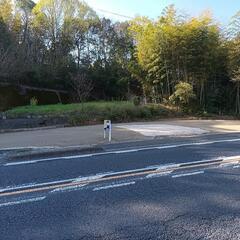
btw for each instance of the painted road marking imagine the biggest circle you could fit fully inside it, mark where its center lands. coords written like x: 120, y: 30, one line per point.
x: 83, y: 178
x: 89, y: 178
x: 30, y: 200
x: 54, y: 159
x: 153, y: 175
x: 16, y: 187
x: 68, y: 188
x: 238, y: 166
x: 124, y: 174
x: 113, y: 186
x: 229, y: 164
x: 121, y: 152
x: 153, y: 168
x: 187, y: 174
x: 34, y: 185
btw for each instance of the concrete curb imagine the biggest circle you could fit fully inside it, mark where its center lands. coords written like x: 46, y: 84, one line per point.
x: 31, y: 129
x: 36, y: 153
x: 32, y: 153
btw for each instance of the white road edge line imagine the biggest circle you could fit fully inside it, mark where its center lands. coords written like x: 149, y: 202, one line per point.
x: 121, y: 152
x: 22, y: 201
x: 187, y: 174
x: 113, y: 186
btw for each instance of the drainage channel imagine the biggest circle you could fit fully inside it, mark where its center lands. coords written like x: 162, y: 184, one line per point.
x: 161, y: 169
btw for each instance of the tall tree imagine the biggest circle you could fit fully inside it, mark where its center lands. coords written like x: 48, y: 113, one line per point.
x: 175, y: 48
x: 234, y: 56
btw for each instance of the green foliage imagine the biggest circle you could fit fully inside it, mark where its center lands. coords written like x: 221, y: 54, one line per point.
x: 234, y: 58
x: 94, y: 112
x: 33, y: 101
x: 136, y: 100
x: 176, y: 48
x: 53, y: 39
x: 44, y: 43
x: 183, y: 95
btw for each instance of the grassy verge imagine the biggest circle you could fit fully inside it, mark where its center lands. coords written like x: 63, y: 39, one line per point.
x: 94, y: 112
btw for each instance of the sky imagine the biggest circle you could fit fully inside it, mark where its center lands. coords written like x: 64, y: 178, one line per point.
x: 222, y: 10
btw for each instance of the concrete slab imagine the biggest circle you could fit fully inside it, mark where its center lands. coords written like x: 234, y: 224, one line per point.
x: 154, y: 130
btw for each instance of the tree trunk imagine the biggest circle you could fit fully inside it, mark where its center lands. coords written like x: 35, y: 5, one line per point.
x: 201, y: 100
x: 238, y: 99
x: 168, y: 82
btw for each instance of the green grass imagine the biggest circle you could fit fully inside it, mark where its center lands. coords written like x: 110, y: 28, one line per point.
x: 56, y: 109
x: 94, y: 112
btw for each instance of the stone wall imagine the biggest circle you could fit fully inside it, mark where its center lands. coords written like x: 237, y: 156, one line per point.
x: 26, y: 123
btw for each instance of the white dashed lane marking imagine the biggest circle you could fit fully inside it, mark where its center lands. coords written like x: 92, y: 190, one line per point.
x: 113, y: 186
x: 187, y: 174
x: 30, y: 200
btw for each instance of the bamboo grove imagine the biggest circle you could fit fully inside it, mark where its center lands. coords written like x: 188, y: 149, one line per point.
x: 193, y: 62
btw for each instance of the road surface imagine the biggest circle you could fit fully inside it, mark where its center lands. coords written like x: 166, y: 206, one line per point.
x: 185, y: 188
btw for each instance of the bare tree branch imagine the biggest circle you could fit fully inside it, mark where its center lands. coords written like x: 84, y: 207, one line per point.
x: 82, y: 86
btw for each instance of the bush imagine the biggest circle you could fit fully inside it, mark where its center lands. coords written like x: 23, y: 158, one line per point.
x: 136, y: 100
x: 183, y: 95
x: 33, y: 101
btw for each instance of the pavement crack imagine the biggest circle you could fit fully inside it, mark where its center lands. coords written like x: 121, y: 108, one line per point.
x: 174, y: 219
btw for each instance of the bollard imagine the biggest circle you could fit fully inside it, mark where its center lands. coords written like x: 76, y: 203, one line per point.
x: 107, y: 128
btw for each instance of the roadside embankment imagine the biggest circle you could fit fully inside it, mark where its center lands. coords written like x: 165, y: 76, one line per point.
x: 89, y: 113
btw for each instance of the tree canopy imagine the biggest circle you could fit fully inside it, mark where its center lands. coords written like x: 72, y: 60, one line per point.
x: 48, y: 43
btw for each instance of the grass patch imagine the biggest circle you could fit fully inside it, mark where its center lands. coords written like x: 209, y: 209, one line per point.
x: 94, y: 112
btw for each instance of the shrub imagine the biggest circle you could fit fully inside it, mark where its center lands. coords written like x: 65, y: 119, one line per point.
x: 33, y: 101
x: 136, y: 100
x: 183, y: 95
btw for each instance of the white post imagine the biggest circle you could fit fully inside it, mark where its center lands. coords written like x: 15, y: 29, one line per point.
x: 107, y: 128
x: 110, y: 133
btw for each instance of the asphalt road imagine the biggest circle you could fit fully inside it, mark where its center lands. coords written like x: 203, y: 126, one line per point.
x: 131, y: 191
